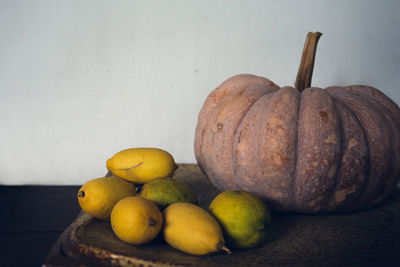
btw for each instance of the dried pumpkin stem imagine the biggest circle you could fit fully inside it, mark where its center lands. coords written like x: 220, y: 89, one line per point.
x: 304, y: 75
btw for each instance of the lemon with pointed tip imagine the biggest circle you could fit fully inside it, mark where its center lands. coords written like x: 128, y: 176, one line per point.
x: 244, y: 218
x: 192, y: 229
x: 98, y: 196
x: 141, y: 165
x: 136, y: 220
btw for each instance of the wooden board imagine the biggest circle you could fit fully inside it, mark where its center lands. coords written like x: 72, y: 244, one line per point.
x: 364, y: 238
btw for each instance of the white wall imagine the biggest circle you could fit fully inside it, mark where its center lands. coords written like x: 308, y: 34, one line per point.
x: 81, y: 80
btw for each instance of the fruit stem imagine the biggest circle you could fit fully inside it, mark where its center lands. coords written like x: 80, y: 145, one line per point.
x: 227, y: 250
x: 304, y: 74
x: 222, y: 247
x: 81, y: 194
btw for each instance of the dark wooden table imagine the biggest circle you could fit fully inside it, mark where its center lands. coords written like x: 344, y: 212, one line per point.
x: 31, y: 220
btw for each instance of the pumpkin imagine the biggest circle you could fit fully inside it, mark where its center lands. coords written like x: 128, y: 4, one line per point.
x: 302, y: 149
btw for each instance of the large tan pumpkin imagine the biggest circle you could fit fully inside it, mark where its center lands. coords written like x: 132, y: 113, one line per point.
x: 301, y: 150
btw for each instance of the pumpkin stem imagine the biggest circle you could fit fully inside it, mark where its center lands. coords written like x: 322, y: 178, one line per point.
x: 305, y: 72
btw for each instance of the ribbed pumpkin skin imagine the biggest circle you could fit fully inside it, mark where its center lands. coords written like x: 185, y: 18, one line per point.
x: 321, y: 150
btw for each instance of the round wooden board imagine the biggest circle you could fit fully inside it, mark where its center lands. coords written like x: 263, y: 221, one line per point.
x: 366, y: 238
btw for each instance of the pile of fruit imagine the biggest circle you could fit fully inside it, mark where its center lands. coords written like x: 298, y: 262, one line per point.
x: 142, y: 199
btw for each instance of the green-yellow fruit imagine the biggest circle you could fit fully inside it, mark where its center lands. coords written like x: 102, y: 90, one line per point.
x: 244, y: 218
x: 97, y: 197
x: 191, y: 229
x: 140, y: 165
x: 165, y: 191
x: 136, y: 220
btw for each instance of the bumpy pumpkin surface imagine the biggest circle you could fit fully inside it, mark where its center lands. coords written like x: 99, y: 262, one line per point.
x: 319, y: 150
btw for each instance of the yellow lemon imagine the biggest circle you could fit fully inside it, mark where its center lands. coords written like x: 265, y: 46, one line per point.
x: 191, y: 229
x: 244, y: 218
x: 165, y: 191
x: 140, y: 165
x: 97, y: 197
x: 136, y: 220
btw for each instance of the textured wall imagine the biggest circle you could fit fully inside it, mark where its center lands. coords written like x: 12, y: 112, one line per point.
x: 81, y: 80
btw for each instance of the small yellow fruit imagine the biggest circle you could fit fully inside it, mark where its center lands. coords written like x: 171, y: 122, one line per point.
x: 136, y: 220
x: 140, y: 165
x: 165, y: 191
x: 191, y: 229
x: 97, y: 197
x: 244, y: 218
